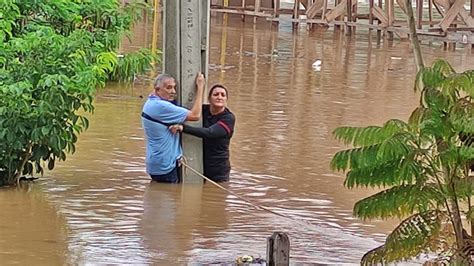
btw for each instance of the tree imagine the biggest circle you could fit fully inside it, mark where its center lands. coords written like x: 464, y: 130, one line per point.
x: 53, y: 57
x: 422, y: 167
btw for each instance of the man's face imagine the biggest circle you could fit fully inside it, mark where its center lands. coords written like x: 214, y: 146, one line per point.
x: 168, y: 90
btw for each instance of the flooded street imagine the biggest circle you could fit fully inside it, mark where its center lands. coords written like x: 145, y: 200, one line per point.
x: 99, y: 206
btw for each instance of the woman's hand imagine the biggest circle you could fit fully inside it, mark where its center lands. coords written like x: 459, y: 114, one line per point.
x: 200, y: 80
x: 176, y: 128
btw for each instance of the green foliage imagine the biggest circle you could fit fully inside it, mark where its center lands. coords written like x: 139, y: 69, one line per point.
x: 420, y: 164
x: 414, y: 235
x: 53, y: 57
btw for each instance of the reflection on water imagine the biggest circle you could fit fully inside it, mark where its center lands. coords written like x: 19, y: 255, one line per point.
x: 32, y: 231
x: 286, y: 111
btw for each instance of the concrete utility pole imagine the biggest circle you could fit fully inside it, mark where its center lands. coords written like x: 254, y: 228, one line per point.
x: 186, y: 42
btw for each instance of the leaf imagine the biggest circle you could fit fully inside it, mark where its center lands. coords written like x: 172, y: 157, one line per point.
x: 399, y: 201
x: 369, y: 135
x: 51, y: 164
x: 399, y: 171
x: 412, y: 237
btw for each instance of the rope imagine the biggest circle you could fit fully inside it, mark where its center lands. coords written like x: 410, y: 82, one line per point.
x: 243, y: 198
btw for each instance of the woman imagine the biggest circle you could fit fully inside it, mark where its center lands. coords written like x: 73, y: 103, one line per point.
x: 218, y: 127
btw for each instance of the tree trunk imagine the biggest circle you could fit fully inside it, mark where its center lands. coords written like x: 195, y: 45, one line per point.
x: 456, y: 219
x: 414, y: 36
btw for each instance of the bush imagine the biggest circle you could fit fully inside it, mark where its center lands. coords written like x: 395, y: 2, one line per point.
x: 53, y: 57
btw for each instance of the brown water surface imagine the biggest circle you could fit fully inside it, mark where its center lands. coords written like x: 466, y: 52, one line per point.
x: 99, y: 206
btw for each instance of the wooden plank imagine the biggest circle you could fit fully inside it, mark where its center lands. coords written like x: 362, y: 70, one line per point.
x: 428, y: 34
x: 430, y: 15
x: 380, y: 15
x: 463, y: 14
x: 451, y: 14
x: 402, y: 5
x: 339, y: 10
x: 462, y: 29
x: 257, y: 9
x: 371, y: 16
x: 296, y: 9
x: 391, y: 12
x: 349, y: 10
x: 276, y: 8
x: 468, y: 20
x: 325, y: 8
x: 443, y: 3
x: 243, y: 12
x: 472, y: 12
x: 314, y: 8
x: 419, y: 13
x: 349, y: 16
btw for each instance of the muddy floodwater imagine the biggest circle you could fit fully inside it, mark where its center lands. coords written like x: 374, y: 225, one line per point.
x: 99, y: 206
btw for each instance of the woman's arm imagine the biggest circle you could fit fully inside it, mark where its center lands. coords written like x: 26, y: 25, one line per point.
x: 212, y: 132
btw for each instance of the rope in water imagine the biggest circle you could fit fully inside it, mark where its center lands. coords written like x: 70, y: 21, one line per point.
x: 183, y: 162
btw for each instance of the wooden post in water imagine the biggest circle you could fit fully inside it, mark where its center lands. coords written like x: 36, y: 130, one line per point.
x: 472, y: 15
x: 419, y: 13
x: 430, y: 12
x: 276, y: 9
x: 185, y: 38
x: 390, y: 9
x: 278, y: 249
x: 349, y: 16
x: 296, y: 13
x: 256, y: 10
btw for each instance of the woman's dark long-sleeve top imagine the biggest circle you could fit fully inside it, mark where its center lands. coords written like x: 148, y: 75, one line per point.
x: 216, y: 133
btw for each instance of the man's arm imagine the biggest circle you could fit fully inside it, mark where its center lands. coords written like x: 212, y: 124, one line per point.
x: 195, y: 113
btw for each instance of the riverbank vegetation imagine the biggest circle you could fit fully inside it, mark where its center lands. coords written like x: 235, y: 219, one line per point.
x: 423, y: 168
x: 53, y: 57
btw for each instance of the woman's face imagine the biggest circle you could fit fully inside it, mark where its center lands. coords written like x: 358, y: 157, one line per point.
x: 218, y: 97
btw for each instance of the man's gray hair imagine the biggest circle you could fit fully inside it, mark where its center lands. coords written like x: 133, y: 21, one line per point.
x: 160, y: 79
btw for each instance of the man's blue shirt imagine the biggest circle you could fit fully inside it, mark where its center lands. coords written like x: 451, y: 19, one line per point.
x: 163, y: 147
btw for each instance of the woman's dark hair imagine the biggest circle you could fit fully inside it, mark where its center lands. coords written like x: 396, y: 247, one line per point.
x: 211, y: 90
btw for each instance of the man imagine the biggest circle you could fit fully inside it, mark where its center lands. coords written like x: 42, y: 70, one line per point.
x: 163, y: 148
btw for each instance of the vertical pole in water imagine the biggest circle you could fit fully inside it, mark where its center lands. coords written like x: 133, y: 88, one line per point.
x: 278, y: 249
x: 185, y: 30
x: 430, y: 12
x: 349, y: 17
x: 472, y: 15
x: 243, y: 10
x: 390, y: 5
x: 296, y: 13
x: 155, y: 27
x: 419, y: 13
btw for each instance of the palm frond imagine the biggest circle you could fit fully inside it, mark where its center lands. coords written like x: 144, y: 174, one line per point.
x: 374, y: 257
x: 417, y: 116
x: 461, y: 116
x: 398, y: 201
x: 417, y: 234
x: 394, y: 148
x: 354, y: 158
x: 443, y: 67
x: 414, y: 235
x: 365, y: 136
x: 457, y: 82
x: 397, y: 146
x: 403, y: 170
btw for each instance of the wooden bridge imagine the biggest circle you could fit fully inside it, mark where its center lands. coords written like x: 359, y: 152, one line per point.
x: 451, y: 21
